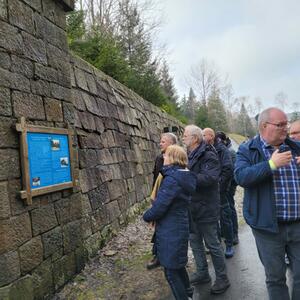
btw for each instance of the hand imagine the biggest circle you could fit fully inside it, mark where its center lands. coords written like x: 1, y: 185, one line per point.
x: 282, y: 159
x: 298, y: 159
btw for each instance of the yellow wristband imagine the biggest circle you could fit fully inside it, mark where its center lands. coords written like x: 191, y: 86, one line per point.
x: 272, y: 165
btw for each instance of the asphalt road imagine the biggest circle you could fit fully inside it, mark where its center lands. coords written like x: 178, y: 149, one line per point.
x: 245, y: 272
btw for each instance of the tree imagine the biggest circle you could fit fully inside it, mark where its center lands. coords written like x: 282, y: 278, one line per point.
x: 204, y: 77
x: 166, y: 83
x: 216, y: 111
x: 281, y: 99
x: 296, y: 113
x: 243, y: 123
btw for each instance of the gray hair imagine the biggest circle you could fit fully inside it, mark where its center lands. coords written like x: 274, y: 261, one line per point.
x: 264, y: 116
x: 195, y: 131
x: 171, y: 136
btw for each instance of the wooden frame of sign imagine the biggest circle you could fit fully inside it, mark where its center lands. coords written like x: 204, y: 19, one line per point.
x: 28, y: 192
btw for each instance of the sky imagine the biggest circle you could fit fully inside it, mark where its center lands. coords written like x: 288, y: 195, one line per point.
x: 256, y: 43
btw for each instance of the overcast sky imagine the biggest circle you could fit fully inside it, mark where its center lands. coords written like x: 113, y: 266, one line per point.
x: 255, y: 42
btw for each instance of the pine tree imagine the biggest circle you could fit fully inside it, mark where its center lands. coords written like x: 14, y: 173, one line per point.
x: 244, y: 125
x: 216, y: 112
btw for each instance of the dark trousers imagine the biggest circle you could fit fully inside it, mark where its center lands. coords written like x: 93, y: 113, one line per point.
x: 271, y: 250
x: 154, y: 247
x: 225, y: 221
x: 178, y: 280
x: 230, y: 197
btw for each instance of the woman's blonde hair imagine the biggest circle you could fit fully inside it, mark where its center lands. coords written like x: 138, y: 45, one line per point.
x: 177, y: 155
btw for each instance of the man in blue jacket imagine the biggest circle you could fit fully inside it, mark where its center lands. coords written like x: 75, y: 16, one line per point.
x: 268, y: 169
x: 205, y: 210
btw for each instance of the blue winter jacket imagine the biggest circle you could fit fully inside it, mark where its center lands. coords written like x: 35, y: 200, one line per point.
x: 170, y: 212
x: 252, y: 171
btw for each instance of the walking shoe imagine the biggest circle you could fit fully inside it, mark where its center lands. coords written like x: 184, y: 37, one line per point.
x: 235, y: 240
x: 220, y: 286
x: 229, y: 252
x: 196, y: 279
x: 153, y: 263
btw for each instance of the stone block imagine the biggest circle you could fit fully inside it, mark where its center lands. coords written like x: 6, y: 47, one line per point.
x: 14, y: 232
x: 104, y: 173
x: 92, y: 141
x: 81, y: 258
x: 53, y: 110
x: 77, y: 99
x: 43, y: 281
x: 43, y: 219
x: 14, y: 81
x: 10, y: 38
x: 3, y: 9
x: 90, y: 103
x: 93, y: 244
x: 60, y: 92
x: 99, y: 125
x: 22, y: 66
x: 113, y: 211
x: 116, y: 188
x: 31, y: 254
x: 103, y: 110
x: 34, y: 48
x: 4, y: 203
x: 87, y: 121
x: 69, y: 113
x: 40, y: 87
x: 104, y: 157
x: 45, y: 73
x: 9, y: 136
x: 54, y: 13
x: 87, y: 158
x: 107, y: 139
x: 52, y: 241
x: 99, y: 196
x: 21, y: 15
x: 28, y: 105
x: 22, y: 288
x: 4, y: 58
x: 72, y: 236
x: 91, y: 84
x: 10, y: 268
x: 81, y: 79
x: 63, y: 270
x: 69, y: 209
x: 86, y: 229
x: 36, y: 4
x: 55, y: 35
x: 9, y: 164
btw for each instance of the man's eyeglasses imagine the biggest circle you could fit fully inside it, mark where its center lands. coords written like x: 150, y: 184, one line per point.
x: 279, y: 125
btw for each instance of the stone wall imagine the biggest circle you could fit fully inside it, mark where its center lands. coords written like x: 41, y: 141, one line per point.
x: 116, y: 139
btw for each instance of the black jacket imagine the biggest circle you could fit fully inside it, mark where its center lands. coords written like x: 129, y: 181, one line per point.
x: 225, y: 158
x: 159, y: 162
x: 205, y: 205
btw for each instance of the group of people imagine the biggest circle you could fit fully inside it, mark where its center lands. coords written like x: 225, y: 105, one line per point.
x: 194, y: 203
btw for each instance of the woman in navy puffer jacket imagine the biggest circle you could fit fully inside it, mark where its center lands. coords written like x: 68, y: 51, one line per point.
x: 170, y: 213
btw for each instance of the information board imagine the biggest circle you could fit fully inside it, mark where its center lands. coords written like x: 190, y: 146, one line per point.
x: 49, y: 159
x: 46, y: 157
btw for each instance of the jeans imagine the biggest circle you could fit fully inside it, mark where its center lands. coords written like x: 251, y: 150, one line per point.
x: 178, y: 280
x: 226, y: 223
x: 230, y: 199
x: 271, y: 250
x: 208, y: 233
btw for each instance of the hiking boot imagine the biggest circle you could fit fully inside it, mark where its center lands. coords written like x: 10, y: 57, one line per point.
x: 220, y: 286
x: 229, y: 252
x: 153, y: 263
x: 235, y: 240
x: 196, y: 279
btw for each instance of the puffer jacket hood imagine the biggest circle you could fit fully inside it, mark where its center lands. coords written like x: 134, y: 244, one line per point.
x: 186, y: 179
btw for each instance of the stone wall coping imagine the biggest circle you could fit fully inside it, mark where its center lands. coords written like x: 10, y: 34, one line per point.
x: 68, y: 5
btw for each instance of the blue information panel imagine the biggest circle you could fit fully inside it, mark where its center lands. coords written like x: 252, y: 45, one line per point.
x: 49, y: 159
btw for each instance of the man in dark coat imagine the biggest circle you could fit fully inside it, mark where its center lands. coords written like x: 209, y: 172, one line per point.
x: 167, y: 139
x: 225, y: 179
x: 205, y: 210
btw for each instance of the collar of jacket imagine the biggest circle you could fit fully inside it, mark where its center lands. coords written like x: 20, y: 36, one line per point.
x: 169, y: 169
x: 256, y: 144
